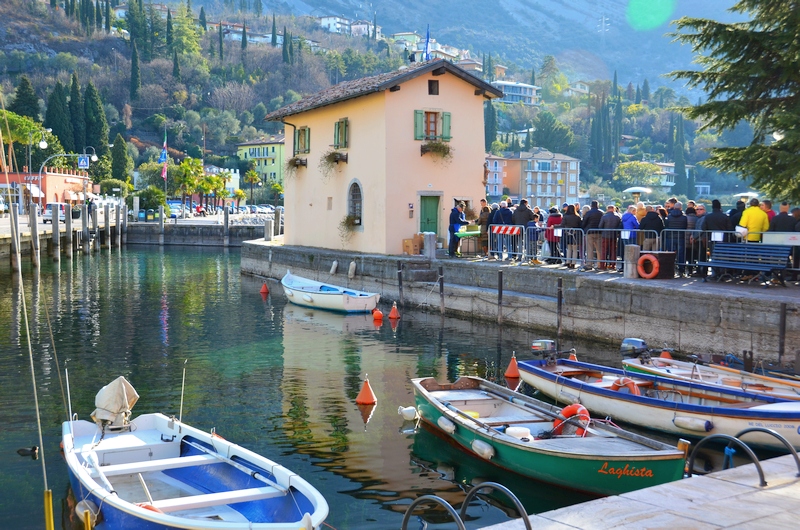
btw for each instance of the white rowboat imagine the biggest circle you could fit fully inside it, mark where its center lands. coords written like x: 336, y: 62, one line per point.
x: 310, y: 293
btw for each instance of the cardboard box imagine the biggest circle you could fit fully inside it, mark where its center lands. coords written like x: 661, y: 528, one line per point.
x: 419, y: 240
x: 409, y: 247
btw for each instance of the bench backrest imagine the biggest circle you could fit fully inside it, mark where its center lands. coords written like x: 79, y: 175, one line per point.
x: 751, y: 252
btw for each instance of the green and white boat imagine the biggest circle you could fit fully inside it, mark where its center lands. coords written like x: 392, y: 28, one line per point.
x: 543, y: 441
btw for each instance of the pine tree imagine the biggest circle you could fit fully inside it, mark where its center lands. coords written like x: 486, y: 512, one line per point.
x: 274, y: 39
x: 671, y: 134
x: 25, y: 103
x: 646, y: 91
x: 121, y: 162
x: 176, y: 67
x: 203, y: 23
x: 189, y: 8
x: 638, y: 98
x: 681, y: 182
x: 76, y: 116
x: 221, y: 44
x: 57, y: 117
x: 629, y: 93
x: 136, y: 76
x: 157, y: 30
x: 244, y: 36
x: 169, y: 30
x: 96, y: 124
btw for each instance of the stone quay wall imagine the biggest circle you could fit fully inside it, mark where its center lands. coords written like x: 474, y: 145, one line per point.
x: 691, y: 316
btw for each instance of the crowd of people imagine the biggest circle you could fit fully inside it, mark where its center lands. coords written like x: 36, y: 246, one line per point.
x: 588, y: 237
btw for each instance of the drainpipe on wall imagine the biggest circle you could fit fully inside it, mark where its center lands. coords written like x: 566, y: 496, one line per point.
x: 294, y: 127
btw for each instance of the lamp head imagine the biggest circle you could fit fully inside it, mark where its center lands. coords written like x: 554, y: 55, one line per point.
x: 94, y: 158
x: 42, y: 144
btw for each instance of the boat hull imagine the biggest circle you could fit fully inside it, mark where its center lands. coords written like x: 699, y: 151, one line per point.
x: 674, y: 417
x: 190, y: 479
x: 597, y: 474
x: 308, y: 293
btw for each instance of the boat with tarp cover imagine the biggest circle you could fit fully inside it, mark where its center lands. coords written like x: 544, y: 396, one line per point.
x: 155, y: 472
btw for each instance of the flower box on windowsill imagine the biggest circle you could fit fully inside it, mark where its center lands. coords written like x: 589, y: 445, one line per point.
x: 339, y: 157
x: 297, y: 162
x: 435, y: 147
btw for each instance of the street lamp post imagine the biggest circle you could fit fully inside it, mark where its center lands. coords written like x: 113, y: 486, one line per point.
x: 42, y: 145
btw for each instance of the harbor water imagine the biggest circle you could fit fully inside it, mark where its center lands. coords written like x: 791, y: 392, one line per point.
x: 277, y: 379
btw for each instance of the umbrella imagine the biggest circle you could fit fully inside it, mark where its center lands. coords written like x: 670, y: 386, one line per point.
x: 749, y: 194
x: 637, y: 189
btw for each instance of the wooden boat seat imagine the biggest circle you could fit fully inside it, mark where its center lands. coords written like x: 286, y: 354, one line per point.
x: 155, y: 465
x: 217, y: 499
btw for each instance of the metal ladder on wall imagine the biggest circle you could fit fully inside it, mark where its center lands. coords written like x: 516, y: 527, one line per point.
x: 458, y: 517
x: 734, y: 440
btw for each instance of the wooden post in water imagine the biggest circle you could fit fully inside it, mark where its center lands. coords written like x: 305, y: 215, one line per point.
x: 96, y: 228
x: 161, y: 226
x: 56, y: 233
x: 14, y: 237
x: 400, y: 281
x: 560, y: 304
x: 68, y: 234
x: 124, y: 224
x: 500, y: 297
x: 268, y: 230
x: 107, y: 226
x: 782, y: 332
x: 226, y: 241
x: 34, y: 222
x: 441, y: 289
x: 118, y: 227
x: 85, y: 227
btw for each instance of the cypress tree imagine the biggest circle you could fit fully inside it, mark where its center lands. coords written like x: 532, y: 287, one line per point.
x: 671, y: 135
x: 108, y: 16
x: 375, y: 26
x: 638, y: 99
x: 89, y: 16
x: 285, y: 50
x: 203, y: 23
x: 98, y: 15
x: 617, y: 126
x: 533, y: 76
x: 291, y: 49
x: 212, y: 50
x: 76, y: 116
x: 258, y: 7
x: 681, y: 182
x: 157, y: 42
x: 244, y: 36
x: 661, y: 101
x: 645, y: 91
x: 96, y: 124
x: 136, y: 76
x: 57, y: 117
x: 25, y: 103
x: 121, y: 162
x: 614, y: 89
x: 274, y: 40
x: 169, y: 30
x: 221, y: 44
x: 176, y: 67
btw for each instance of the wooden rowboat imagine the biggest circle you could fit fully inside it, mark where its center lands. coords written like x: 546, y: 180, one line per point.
x: 715, y: 375
x: 155, y: 472
x: 542, y: 441
x: 310, y: 293
x: 685, y: 408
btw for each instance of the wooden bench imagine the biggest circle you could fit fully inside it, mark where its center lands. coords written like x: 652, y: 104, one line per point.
x: 753, y: 257
x: 155, y: 465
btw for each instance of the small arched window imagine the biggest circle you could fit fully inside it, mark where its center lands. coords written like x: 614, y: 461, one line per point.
x: 354, y: 201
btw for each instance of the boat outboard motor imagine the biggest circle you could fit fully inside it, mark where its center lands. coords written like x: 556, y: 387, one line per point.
x: 543, y: 346
x: 114, y: 403
x: 632, y: 348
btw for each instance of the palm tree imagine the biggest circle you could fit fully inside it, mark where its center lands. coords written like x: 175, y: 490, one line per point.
x: 238, y: 195
x: 191, y: 171
x: 252, y: 177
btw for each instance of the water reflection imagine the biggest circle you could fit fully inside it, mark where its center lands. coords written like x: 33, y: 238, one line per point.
x: 277, y: 379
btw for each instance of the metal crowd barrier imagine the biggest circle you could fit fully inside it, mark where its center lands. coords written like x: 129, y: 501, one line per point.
x: 507, y: 242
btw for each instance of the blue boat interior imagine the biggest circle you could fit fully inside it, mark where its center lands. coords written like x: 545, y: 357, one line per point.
x: 329, y: 289
x: 221, y: 477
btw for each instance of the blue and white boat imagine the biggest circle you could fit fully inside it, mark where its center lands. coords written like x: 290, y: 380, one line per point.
x: 155, y: 472
x: 319, y: 295
x: 683, y: 408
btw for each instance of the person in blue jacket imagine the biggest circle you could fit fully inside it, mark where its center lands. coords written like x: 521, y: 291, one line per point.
x: 456, y: 220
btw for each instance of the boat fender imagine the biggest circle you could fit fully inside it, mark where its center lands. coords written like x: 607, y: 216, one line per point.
x: 446, y: 425
x: 693, y: 424
x: 568, y: 397
x: 519, y: 432
x: 408, y: 413
x: 307, y: 298
x: 86, y: 509
x: 289, y: 293
x: 483, y: 449
x: 334, y: 267
x: 568, y: 412
x: 351, y: 271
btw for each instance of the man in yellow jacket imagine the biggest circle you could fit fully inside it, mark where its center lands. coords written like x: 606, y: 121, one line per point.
x: 755, y: 220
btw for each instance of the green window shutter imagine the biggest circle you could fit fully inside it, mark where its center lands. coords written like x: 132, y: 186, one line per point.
x: 446, y: 126
x: 308, y: 140
x: 346, y: 139
x: 336, y: 140
x: 296, y: 140
x: 419, y: 125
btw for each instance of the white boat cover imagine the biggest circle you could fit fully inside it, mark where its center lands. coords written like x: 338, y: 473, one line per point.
x: 114, y: 402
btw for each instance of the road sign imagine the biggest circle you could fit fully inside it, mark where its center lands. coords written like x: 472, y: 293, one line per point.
x: 83, y: 162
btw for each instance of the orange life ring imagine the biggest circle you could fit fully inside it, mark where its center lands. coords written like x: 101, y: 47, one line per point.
x: 628, y: 383
x: 647, y: 261
x: 148, y: 507
x: 569, y: 411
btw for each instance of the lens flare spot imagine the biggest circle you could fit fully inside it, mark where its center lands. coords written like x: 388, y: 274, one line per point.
x: 644, y: 15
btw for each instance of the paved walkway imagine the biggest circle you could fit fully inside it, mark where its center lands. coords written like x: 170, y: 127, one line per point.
x: 725, y: 499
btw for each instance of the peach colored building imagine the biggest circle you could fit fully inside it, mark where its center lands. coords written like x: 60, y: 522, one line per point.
x: 54, y: 185
x: 384, y: 181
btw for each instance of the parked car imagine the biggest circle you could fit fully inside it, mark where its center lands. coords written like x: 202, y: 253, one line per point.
x: 60, y: 207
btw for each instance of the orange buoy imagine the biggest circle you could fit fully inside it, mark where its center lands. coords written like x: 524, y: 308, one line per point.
x: 512, y: 372
x: 665, y: 354
x: 366, y: 413
x: 377, y: 314
x: 394, y: 313
x: 366, y: 396
x: 264, y: 289
x: 393, y: 322
x: 512, y: 383
x: 572, y: 356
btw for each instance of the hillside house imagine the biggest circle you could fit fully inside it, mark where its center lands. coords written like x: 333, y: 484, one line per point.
x: 266, y: 155
x: 367, y: 154
x: 364, y: 28
x: 666, y: 175
x: 578, y: 88
x: 335, y: 24
x: 518, y: 92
